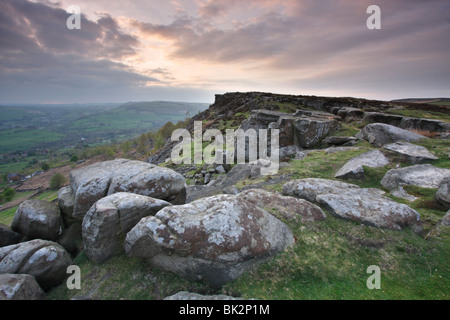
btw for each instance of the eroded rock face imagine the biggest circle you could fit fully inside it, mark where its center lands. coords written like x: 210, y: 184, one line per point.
x: 47, y: 261
x: 108, y: 221
x: 20, y: 287
x: 213, y: 239
x: 353, y: 169
x: 37, y: 219
x: 380, y: 134
x: 289, y: 208
x: 350, y: 202
x: 411, y: 152
x: 304, y: 131
x: 92, y: 183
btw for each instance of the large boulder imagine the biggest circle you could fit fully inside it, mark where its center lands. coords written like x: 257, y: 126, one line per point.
x: 9, y: 237
x: 108, y: 221
x: 423, y: 175
x: 443, y: 193
x: 66, y: 202
x: 289, y: 208
x: 308, y: 189
x: 410, y: 152
x: 380, y: 134
x: 350, y: 202
x: 38, y: 219
x: 47, y: 261
x: 90, y: 184
x: 214, y: 239
x: 309, y: 132
x: 354, y: 168
x: 20, y: 287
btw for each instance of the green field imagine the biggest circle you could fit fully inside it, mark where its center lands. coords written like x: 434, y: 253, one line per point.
x: 20, y: 139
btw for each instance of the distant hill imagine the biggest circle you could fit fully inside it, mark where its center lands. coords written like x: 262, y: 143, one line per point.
x: 28, y: 127
x: 435, y: 101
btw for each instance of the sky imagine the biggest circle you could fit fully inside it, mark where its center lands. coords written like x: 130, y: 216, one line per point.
x: 190, y: 50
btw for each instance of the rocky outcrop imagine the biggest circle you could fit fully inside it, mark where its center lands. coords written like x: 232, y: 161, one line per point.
x: 443, y: 193
x: 20, y: 287
x: 108, y: 221
x: 45, y: 260
x: 38, y: 219
x: 295, y: 129
x: 423, y: 175
x: 354, y: 168
x: 409, y: 152
x: 214, y: 239
x: 97, y: 181
x: 380, y: 134
x: 349, y: 202
x: 283, y: 207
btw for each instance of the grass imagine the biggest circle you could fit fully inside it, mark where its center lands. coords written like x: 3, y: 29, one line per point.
x: 127, y: 278
x: 7, y: 216
x: 330, y: 261
x: 20, y: 139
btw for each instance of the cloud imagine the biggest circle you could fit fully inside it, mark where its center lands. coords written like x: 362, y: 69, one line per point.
x: 37, y: 49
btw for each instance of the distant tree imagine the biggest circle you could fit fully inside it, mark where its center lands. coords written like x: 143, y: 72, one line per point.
x: 125, y: 146
x: 74, y: 158
x: 9, y: 193
x: 109, y: 153
x: 45, y: 166
x: 57, y: 181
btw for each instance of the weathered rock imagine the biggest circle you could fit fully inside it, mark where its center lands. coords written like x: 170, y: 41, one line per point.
x: 380, y: 134
x: 108, y: 221
x: 45, y: 260
x: 92, y: 183
x: 338, y: 140
x: 370, y: 207
x: 423, y: 175
x: 446, y: 220
x: 354, y: 169
x: 309, y: 189
x: 20, y: 287
x: 410, y: 152
x: 347, y: 201
x: 288, y: 152
x: 213, y: 239
x: 443, y: 193
x: 9, y: 237
x: 309, y: 132
x: 295, y: 129
x: 71, y: 239
x: 37, y: 219
x: 66, y: 202
x: 289, y: 208
x: 184, y: 295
